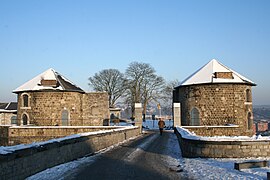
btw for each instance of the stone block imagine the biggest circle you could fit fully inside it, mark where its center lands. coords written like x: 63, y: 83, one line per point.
x: 246, y: 150
x: 250, y: 164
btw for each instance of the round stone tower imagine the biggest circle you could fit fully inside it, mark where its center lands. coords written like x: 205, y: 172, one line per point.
x: 216, y: 96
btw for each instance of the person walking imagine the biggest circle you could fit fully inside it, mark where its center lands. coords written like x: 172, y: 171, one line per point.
x: 161, y: 125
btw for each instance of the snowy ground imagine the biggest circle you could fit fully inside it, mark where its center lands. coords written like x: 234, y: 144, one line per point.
x: 220, y: 169
x: 149, y: 124
x: 193, y: 168
x: 59, y: 172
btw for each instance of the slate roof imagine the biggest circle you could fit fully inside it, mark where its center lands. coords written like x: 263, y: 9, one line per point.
x: 12, y: 106
x: 3, y: 105
x: 205, y: 75
x: 63, y: 84
x: 8, y: 107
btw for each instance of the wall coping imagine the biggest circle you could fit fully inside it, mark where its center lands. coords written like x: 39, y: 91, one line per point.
x: 63, y: 127
x: 19, y: 162
x: 187, y: 135
x: 194, y: 147
x: 229, y: 126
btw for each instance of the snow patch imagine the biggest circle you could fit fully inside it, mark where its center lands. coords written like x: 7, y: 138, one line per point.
x: 141, y: 147
x: 205, y: 75
x: 185, y: 133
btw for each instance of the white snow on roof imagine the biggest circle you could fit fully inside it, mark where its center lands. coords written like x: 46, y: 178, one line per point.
x: 206, y: 75
x: 35, y: 83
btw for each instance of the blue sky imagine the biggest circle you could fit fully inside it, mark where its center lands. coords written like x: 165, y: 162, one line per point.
x: 79, y: 38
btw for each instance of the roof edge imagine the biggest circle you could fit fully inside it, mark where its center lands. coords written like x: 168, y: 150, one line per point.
x: 247, y: 83
x: 49, y: 90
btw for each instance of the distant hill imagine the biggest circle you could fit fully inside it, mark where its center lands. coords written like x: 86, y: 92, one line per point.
x: 261, y: 112
x: 261, y: 106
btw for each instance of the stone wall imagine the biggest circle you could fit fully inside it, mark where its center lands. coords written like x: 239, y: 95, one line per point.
x: 95, y: 108
x: 5, y: 118
x: 192, y: 148
x: 46, y: 108
x: 217, y: 130
x: 218, y: 105
x: 13, y: 135
x: 4, y: 135
x: 23, y: 162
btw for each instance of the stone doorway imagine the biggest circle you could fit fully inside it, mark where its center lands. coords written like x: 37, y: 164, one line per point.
x: 24, y: 119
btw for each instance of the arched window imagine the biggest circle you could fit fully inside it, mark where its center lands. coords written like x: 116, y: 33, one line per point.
x: 25, y: 100
x: 13, y: 120
x: 195, y: 117
x: 24, y: 119
x: 250, y: 121
x: 248, y: 95
x: 65, y: 117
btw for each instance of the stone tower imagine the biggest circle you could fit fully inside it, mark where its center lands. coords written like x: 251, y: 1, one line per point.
x: 215, y: 95
x: 50, y: 99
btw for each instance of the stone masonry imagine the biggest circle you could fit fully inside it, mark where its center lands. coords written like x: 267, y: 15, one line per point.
x: 22, y: 162
x: 216, y: 96
x: 14, y: 135
x: 218, y: 105
x: 193, y: 148
x: 5, y: 118
x: 46, y: 107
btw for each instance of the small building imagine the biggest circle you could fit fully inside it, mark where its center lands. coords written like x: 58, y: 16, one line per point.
x: 215, y: 95
x: 8, y: 113
x: 115, y: 113
x: 50, y: 99
x: 261, y: 126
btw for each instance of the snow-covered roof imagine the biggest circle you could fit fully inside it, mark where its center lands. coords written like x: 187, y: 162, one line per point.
x: 58, y: 82
x: 206, y: 75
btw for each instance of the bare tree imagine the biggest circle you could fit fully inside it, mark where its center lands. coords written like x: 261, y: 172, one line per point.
x: 111, y: 81
x: 167, y: 95
x: 152, y: 90
x: 143, y: 85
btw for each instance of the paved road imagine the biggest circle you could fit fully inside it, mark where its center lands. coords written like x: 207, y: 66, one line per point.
x: 143, y: 158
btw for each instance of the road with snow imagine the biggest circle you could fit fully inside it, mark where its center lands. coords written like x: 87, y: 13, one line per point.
x: 149, y: 156
x: 143, y: 158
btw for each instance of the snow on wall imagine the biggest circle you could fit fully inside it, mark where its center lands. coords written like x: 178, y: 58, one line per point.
x: 14, y: 160
x: 11, y: 149
x: 194, y: 146
x: 191, y: 135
